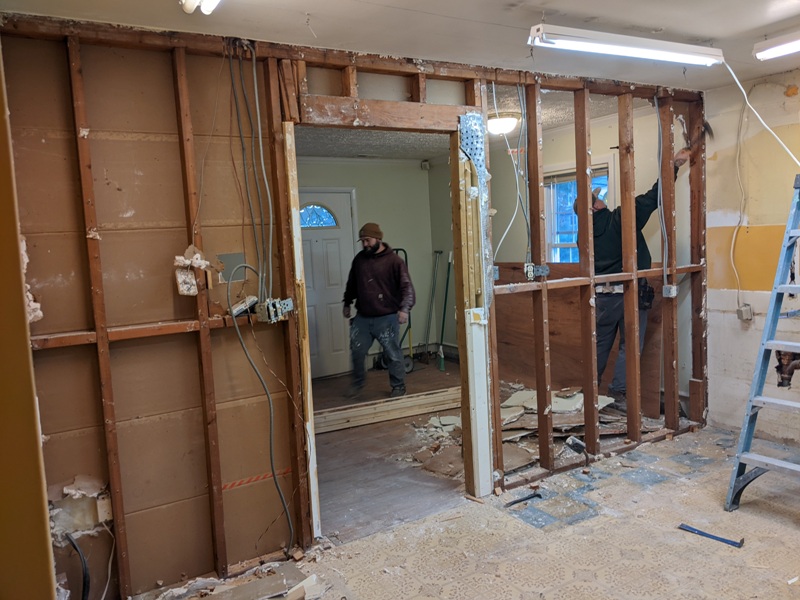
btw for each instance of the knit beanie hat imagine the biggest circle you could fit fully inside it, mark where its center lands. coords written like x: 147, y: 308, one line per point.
x: 372, y: 230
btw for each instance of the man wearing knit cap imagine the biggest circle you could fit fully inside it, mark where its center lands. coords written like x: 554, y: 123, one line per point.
x: 384, y: 295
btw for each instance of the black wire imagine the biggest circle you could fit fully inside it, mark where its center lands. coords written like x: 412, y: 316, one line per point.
x: 84, y: 568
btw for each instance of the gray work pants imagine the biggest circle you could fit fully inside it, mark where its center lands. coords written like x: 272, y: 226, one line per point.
x: 385, y: 329
x: 610, y: 319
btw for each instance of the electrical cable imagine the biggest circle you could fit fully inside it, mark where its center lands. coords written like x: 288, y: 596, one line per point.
x: 261, y: 295
x: 110, y: 560
x: 259, y: 269
x: 518, y: 200
x: 84, y: 567
x: 267, y: 249
x: 664, y: 245
x: 271, y: 411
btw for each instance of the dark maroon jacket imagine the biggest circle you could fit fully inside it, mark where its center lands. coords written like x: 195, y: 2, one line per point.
x: 380, y: 284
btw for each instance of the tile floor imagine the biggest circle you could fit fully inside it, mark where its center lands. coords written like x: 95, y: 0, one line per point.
x: 609, y: 533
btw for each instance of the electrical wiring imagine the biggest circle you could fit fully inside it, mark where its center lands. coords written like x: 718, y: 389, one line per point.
x: 742, y: 192
x: 271, y: 412
x: 262, y: 258
x: 110, y: 560
x: 84, y: 567
x: 268, y: 248
x: 664, y: 245
x: 519, y: 201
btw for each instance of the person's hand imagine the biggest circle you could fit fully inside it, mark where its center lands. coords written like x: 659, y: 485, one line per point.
x: 402, y: 317
x: 346, y: 312
x: 681, y: 157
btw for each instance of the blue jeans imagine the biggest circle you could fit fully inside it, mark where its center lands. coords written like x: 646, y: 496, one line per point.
x: 610, y: 319
x: 385, y: 329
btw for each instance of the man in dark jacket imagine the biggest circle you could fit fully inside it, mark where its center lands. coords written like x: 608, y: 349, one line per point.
x: 381, y: 287
x: 609, y: 304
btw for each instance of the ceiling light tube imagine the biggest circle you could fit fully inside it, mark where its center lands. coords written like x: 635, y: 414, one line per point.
x: 778, y: 46
x: 567, y: 38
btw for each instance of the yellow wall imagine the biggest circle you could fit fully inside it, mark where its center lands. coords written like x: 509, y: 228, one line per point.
x: 25, y: 553
x: 755, y: 256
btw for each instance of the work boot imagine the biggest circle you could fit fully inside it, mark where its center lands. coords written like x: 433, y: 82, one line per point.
x: 620, y: 400
x: 398, y: 391
x: 354, y: 392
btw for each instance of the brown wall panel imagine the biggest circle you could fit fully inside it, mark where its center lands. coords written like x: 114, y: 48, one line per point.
x: 67, y: 385
x: 59, y: 280
x: 37, y: 79
x: 153, y: 376
x: 244, y: 438
x: 129, y: 90
x: 139, y: 276
x: 170, y: 543
x: 210, y: 86
x: 45, y: 164
x: 222, y: 240
x: 233, y: 377
x: 137, y: 181
x: 162, y: 459
x: 77, y: 452
x: 254, y: 519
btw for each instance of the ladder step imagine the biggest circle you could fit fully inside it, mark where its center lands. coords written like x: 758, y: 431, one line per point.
x: 789, y: 289
x: 777, y: 403
x: 794, y: 234
x: 767, y: 462
x: 783, y: 346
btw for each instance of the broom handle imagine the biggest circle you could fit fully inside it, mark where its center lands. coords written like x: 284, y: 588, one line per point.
x: 444, y: 305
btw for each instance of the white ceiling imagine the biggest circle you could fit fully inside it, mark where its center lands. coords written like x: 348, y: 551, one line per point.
x: 480, y: 32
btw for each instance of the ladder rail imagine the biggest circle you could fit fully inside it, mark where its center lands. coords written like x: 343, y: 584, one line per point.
x: 738, y: 480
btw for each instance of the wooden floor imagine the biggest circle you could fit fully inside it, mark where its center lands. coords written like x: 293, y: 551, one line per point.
x: 367, y: 484
x: 329, y: 392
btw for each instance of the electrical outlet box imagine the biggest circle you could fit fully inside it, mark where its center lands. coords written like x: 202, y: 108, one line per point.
x: 243, y: 306
x: 670, y: 291
x: 532, y: 271
x: 745, y: 312
x: 104, y: 512
x: 273, y: 310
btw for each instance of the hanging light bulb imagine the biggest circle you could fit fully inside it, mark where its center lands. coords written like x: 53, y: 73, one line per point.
x: 206, y: 6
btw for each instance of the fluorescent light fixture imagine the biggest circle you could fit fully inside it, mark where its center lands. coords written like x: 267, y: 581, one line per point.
x: 567, y: 38
x: 501, y: 124
x: 206, y: 6
x: 778, y: 46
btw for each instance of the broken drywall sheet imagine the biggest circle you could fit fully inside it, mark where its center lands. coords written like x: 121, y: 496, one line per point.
x: 32, y: 308
x: 563, y: 401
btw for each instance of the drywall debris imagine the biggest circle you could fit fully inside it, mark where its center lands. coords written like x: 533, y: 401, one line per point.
x: 509, y: 414
x: 32, y: 308
x: 84, y: 132
x: 83, y: 486
x: 92, y: 234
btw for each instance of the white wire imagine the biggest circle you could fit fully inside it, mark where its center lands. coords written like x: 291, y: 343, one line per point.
x: 755, y: 112
x: 110, y: 560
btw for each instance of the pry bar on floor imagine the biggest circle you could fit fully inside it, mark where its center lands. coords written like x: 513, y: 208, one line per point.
x: 733, y: 543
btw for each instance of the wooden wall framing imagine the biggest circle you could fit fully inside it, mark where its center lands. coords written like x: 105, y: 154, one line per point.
x: 288, y: 100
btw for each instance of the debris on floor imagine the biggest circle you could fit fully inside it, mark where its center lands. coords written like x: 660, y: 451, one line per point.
x: 270, y: 580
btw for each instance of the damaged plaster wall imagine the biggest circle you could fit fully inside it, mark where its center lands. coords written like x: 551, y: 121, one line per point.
x: 25, y: 553
x: 767, y: 175
x: 130, y: 104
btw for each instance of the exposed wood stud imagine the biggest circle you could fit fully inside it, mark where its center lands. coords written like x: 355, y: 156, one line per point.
x: 698, y: 400
x: 99, y: 313
x: 285, y: 241
x: 210, y: 432
x: 630, y: 265
x: 472, y: 93
x: 302, y: 77
x: 335, y: 111
x: 291, y: 110
x: 459, y: 172
x: 349, y: 82
x: 583, y: 166
x: 419, y: 90
x: 669, y: 304
x: 541, y: 325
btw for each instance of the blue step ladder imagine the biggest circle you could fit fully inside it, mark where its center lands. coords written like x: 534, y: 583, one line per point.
x: 759, y: 464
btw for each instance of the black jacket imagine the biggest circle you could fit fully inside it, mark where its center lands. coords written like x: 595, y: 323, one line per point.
x: 380, y: 284
x: 607, y: 225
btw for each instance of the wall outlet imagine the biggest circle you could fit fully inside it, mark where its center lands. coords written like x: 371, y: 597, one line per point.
x: 745, y: 312
x: 670, y: 291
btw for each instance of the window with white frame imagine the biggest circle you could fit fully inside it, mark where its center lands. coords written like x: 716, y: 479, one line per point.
x: 561, y: 189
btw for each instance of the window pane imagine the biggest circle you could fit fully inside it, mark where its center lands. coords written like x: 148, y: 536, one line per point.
x: 314, y: 215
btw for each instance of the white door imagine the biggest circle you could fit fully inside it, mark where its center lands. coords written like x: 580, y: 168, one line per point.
x: 328, y: 250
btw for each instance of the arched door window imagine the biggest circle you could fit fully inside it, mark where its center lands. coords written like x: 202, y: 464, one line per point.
x: 317, y: 216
